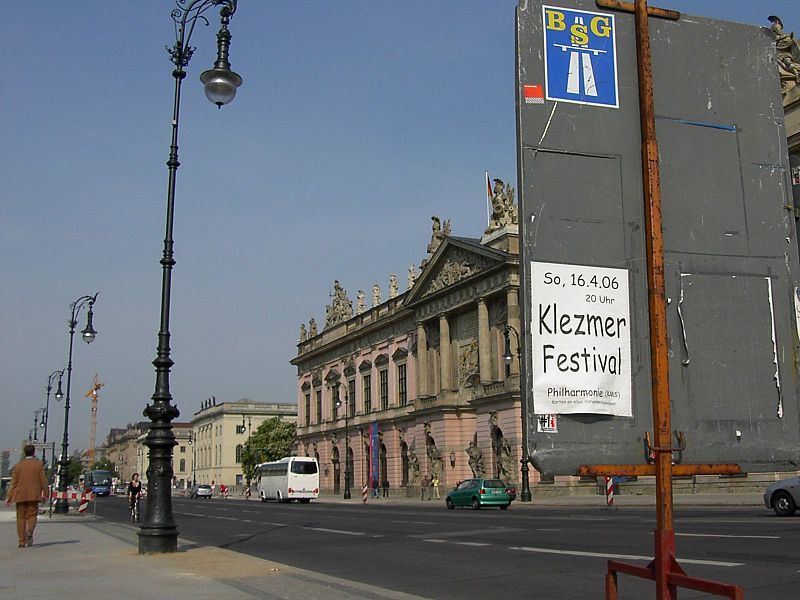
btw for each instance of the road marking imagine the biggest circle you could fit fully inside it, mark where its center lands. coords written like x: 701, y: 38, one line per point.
x: 469, y: 532
x: 720, y: 535
x: 621, y: 556
x: 548, y: 529
x: 471, y: 544
x: 415, y: 522
x: 324, y: 529
x: 191, y: 514
x: 435, y: 541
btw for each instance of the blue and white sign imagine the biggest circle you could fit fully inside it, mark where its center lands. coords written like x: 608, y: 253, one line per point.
x: 580, y: 53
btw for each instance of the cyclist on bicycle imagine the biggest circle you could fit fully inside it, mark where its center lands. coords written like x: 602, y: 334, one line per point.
x: 134, y: 491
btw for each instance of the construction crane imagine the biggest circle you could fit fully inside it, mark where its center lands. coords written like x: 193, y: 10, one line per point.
x: 92, y: 393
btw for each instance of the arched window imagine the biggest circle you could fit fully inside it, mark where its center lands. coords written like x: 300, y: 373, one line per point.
x: 183, y: 465
x: 239, y: 453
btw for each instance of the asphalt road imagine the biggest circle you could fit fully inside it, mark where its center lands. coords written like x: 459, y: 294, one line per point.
x: 524, y: 552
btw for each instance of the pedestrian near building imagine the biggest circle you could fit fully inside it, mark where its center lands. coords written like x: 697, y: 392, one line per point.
x: 28, y: 488
x: 435, y: 484
x: 374, y: 488
x: 423, y: 486
x: 385, y: 486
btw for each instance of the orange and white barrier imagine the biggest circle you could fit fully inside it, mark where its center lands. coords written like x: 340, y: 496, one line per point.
x: 609, y: 491
x: 83, y: 497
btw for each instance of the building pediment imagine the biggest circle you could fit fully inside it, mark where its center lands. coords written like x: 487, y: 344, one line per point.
x: 455, y: 261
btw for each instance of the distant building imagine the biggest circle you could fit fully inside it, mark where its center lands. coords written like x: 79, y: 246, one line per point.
x: 219, y: 433
x: 122, y: 448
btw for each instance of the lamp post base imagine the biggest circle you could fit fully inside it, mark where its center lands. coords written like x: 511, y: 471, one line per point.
x: 158, y: 541
x: 525, y: 494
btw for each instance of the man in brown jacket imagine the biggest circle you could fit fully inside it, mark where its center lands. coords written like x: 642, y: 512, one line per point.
x: 28, y: 488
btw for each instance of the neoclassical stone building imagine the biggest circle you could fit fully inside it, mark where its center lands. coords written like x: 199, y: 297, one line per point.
x: 426, y: 366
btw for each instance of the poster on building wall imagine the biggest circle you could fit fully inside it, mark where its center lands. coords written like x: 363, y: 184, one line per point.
x: 374, y: 451
x: 581, y: 339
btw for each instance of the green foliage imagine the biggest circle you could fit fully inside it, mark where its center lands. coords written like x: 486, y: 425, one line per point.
x: 74, y: 470
x: 274, y: 439
x: 105, y: 465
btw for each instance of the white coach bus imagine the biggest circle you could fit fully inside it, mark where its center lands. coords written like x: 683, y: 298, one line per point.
x: 287, y: 479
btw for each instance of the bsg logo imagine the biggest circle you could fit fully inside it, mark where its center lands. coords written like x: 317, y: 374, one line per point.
x: 580, y: 56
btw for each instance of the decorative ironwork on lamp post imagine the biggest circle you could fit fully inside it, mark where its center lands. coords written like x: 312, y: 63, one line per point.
x: 525, y: 494
x: 158, y: 531
x: 87, y: 334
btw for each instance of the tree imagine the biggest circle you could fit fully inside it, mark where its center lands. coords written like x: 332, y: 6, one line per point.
x: 274, y: 439
x: 105, y: 465
x: 74, y: 469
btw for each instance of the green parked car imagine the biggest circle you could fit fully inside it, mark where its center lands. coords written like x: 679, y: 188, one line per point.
x: 478, y: 493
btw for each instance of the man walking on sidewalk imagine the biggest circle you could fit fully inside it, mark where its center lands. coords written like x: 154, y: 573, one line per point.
x: 28, y: 488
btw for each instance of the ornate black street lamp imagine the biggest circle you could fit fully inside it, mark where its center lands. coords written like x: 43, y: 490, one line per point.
x: 525, y: 495
x: 158, y: 532
x: 346, y: 495
x: 88, y: 334
x: 46, y: 416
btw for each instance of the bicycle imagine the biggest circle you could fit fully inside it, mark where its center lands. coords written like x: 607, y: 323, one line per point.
x: 135, y: 508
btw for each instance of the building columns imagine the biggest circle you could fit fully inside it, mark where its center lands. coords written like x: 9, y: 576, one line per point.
x: 484, y: 343
x: 512, y: 303
x: 422, y: 361
x: 445, y: 361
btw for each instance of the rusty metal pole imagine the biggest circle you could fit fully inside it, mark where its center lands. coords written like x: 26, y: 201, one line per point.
x: 659, y: 360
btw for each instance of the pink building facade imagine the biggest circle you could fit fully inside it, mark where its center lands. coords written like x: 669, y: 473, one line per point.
x: 429, y: 368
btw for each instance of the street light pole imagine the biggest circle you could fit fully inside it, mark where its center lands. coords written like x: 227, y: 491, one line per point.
x: 193, y: 444
x: 347, y: 494
x: 88, y: 334
x: 46, y: 419
x: 158, y: 531
x: 525, y: 494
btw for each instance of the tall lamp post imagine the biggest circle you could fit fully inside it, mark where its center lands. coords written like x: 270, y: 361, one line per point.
x: 347, y: 495
x: 525, y: 495
x: 193, y: 444
x: 158, y: 531
x: 88, y: 334
x: 46, y: 417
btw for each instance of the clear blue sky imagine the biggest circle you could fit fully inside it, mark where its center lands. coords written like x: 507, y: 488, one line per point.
x: 356, y: 122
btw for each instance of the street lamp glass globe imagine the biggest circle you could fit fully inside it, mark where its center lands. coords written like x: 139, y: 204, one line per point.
x: 220, y: 85
x: 88, y: 334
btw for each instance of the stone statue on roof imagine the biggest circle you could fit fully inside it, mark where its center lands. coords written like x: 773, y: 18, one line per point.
x: 312, y: 328
x: 303, y: 335
x: 361, y: 304
x: 788, y: 55
x: 504, y: 213
x: 340, y: 309
x: 439, y: 231
x: 376, y: 295
x: 393, y: 286
x: 412, y: 275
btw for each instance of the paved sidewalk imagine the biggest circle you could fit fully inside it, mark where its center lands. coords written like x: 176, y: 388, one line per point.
x: 78, y: 556
x: 87, y: 558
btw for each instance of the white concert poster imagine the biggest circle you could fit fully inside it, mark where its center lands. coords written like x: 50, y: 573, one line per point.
x: 581, y: 340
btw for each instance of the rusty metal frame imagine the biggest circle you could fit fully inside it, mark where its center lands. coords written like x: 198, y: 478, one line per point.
x: 664, y: 569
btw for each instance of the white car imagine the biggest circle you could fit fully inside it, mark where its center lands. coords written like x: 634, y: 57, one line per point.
x: 783, y: 496
x: 201, y: 491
